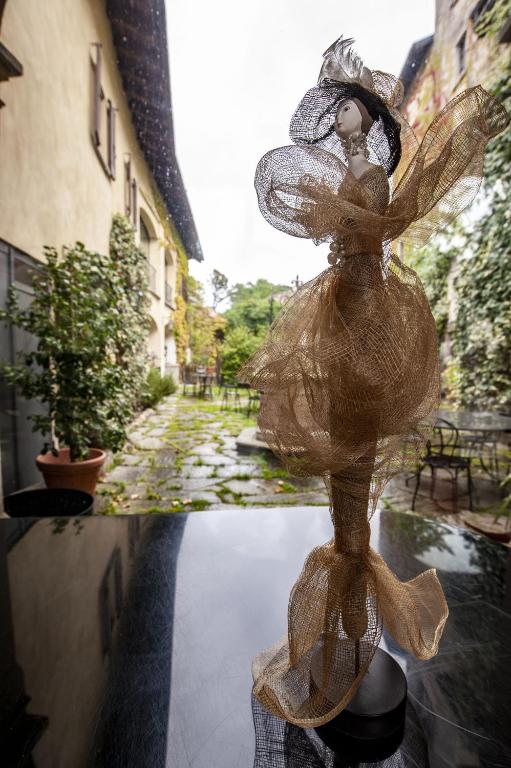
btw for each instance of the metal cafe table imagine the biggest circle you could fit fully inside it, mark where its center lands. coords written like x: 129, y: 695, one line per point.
x: 126, y: 641
x: 478, y: 426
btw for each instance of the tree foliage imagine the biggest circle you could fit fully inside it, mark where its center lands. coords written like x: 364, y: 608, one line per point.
x: 220, y: 286
x: 253, y: 308
x: 252, y: 305
x: 204, y: 325
x: 239, y: 344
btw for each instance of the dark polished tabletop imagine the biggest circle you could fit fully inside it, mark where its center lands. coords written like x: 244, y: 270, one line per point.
x: 127, y: 641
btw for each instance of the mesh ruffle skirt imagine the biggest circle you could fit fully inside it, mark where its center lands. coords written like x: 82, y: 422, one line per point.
x: 350, y: 383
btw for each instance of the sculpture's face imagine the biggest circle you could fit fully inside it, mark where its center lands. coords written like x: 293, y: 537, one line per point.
x: 348, y: 119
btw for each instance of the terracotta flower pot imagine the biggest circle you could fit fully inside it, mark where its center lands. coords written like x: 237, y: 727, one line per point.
x: 503, y: 536
x: 481, y: 524
x: 60, y: 472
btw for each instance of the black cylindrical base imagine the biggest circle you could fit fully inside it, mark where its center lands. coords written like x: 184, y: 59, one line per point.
x: 371, y: 726
x: 49, y: 502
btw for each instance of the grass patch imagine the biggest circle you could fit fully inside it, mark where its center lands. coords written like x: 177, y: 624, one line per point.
x: 178, y: 505
x: 287, y: 487
x: 199, y: 504
x: 224, y: 495
x: 389, y: 505
x: 117, y: 460
x: 267, y: 472
x: 112, y: 508
x: 272, y: 474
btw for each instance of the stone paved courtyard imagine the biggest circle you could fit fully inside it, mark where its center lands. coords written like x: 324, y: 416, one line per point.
x: 182, y: 456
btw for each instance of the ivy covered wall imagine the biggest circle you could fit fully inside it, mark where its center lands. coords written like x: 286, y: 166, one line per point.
x: 467, y: 271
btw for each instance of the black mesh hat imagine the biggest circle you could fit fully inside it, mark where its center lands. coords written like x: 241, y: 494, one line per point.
x: 342, y: 77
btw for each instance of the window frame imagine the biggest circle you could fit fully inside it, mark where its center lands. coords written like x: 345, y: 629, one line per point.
x: 103, y: 109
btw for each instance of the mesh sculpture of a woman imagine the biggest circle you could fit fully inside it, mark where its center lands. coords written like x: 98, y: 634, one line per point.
x: 349, y: 371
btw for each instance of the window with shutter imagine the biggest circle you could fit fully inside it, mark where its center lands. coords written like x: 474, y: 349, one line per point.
x: 98, y: 94
x: 103, y: 117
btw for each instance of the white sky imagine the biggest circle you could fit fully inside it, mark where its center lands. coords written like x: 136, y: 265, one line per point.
x: 238, y: 70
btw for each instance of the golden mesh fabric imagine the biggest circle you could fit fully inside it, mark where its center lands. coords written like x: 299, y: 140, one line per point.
x: 350, y: 383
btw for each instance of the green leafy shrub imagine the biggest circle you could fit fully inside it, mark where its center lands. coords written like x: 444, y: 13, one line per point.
x: 239, y: 344
x: 156, y: 387
x: 89, y: 317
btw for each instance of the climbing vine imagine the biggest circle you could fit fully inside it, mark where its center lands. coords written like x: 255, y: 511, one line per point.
x: 478, y: 372
x: 432, y: 264
x: 181, y: 325
x: 181, y: 328
x: 481, y: 337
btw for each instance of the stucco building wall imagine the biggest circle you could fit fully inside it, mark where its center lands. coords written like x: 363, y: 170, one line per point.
x: 458, y: 59
x: 54, y: 188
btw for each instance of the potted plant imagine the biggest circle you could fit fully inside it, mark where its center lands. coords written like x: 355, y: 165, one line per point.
x: 89, y: 316
x: 488, y: 521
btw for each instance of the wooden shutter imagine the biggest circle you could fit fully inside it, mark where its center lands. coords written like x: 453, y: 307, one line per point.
x: 111, y: 138
x: 98, y: 94
x: 134, y: 203
x: 114, y: 146
x: 127, y: 185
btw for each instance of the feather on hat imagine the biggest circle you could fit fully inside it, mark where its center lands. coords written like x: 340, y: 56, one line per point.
x: 342, y: 64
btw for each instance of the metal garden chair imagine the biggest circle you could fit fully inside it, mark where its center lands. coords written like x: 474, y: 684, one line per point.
x: 443, y: 453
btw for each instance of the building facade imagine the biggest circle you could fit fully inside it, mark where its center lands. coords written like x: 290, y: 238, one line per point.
x: 85, y: 132
x: 457, y: 56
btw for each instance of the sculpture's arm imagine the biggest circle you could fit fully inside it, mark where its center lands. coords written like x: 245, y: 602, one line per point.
x: 446, y: 171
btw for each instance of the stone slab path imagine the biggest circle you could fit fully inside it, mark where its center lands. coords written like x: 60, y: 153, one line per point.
x: 181, y: 456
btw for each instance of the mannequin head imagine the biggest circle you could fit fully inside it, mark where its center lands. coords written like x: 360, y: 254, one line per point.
x: 348, y: 119
x: 315, y: 120
x: 352, y: 117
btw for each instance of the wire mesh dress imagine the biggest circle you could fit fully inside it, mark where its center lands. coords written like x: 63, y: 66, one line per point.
x: 349, y: 371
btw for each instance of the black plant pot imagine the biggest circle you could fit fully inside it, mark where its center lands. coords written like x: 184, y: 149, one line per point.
x: 49, y: 502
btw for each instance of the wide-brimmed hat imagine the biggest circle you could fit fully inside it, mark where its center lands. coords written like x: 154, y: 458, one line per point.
x: 344, y: 76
